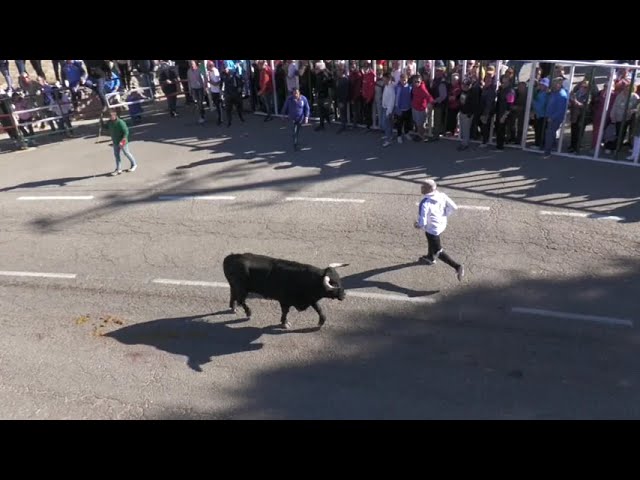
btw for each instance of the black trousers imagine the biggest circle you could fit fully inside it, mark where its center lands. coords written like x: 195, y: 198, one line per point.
x: 217, y: 102
x: 577, y: 135
x: 436, y: 251
x: 37, y: 66
x: 404, y: 120
x: 485, y: 128
x: 501, y: 132
x: 125, y: 75
x: 324, y: 105
x: 231, y: 101
x: 539, y: 127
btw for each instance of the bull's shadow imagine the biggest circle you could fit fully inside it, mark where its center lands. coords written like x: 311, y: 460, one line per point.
x: 362, y: 280
x: 196, y: 338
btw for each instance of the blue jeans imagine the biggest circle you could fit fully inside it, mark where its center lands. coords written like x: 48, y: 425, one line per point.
x: 147, y: 81
x: 116, y: 152
x: 97, y: 85
x: 7, y: 76
x: 550, y: 135
x: 387, y: 123
x: 20, y: 65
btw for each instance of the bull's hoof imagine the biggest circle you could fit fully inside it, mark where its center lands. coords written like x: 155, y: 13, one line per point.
x: 232, y: 310
x: 286, y: 325
x: 321, y: 322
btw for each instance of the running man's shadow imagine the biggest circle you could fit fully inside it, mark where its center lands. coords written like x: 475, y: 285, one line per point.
x: 362, y: 280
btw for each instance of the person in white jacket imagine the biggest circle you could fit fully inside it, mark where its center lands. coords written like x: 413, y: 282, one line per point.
x: 433, y: 211
x: 61, y: 108
x: 388, y: 105
x: 293, y: 77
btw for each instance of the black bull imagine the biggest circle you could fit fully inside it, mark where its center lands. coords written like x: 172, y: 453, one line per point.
x: 292, y: 284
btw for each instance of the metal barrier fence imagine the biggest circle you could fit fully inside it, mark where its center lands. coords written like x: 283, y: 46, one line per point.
x: 521, y: 67
x: 524, y: 142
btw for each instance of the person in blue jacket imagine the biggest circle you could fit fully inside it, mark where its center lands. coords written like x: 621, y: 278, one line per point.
x: 539, y: 110
x: 556, y: 110
x: 112, y: 84
x: 73, y: 75
x: 296, y: 106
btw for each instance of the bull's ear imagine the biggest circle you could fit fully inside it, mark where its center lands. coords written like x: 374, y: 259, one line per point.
x: 338, y: 265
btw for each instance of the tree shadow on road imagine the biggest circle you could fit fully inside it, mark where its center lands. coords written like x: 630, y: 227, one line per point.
x: 570, y: 184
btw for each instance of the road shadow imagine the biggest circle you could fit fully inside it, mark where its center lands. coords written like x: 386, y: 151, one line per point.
x: 469, y: 357
x: 363, y: 280
x: 60, y: 182
x: 197, y: 338
x: 570, y: 184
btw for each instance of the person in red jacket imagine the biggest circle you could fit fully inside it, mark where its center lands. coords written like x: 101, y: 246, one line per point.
x: 368, y: 93
x: 420, y: 101
x: 266, y: 88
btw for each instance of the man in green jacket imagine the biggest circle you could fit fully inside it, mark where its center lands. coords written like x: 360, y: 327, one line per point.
x: 120, y: 138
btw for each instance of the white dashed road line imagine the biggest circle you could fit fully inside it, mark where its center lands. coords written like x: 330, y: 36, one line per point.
x: 318, y: 199
x: 473, y: 207
x: 37, y: 274
x: 469, y: 207
x: 191, y: 283
x: 58, y: 197
x: 358, y: 294
x: 196, y: 197
x: 573, y: 316
x: 583, y: 215
x: 374, y: 296
x: 390, y: 296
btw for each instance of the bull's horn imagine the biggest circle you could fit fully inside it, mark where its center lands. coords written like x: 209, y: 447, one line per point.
x: 338, y: 265
x: 326, y: 283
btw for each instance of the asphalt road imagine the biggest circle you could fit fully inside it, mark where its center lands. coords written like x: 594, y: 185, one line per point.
x: 134, y: 322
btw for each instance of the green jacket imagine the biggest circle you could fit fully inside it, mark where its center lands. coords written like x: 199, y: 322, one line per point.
x: 118, y: 130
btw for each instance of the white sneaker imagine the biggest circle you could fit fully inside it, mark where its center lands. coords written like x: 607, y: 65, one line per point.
x: 399, y: 139
x: 115, y: 172
x: 386, y: 143
x: 133, y: 169
x: 630, y: 158
x: 201, y: 121
x: 427, y: 260
x: 407, y: 136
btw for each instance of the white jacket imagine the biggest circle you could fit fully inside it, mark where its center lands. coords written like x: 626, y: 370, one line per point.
x: 292, y: 77
x: 389, y: 98
x: 433, y: 211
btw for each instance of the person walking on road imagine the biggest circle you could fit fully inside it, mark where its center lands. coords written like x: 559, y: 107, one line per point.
x: 297, y: 108
x: 433, y: 211
x: 120, y: 137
